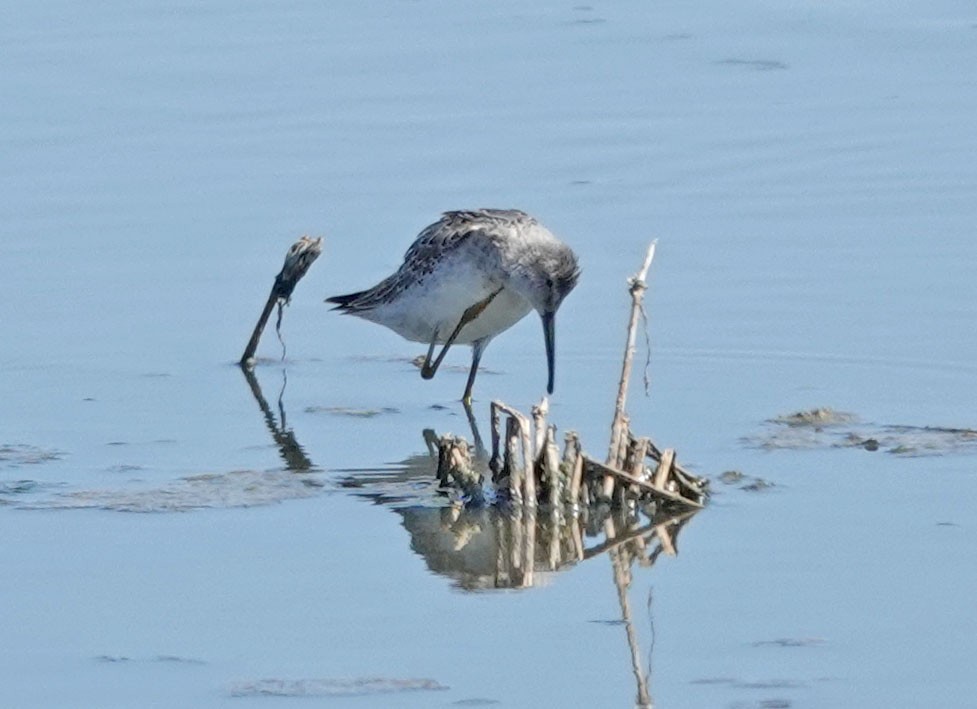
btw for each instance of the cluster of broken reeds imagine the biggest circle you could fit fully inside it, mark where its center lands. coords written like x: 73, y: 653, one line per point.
x: 527, y: 466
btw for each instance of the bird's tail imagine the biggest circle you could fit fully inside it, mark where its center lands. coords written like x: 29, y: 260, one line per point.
x: 346, y: 303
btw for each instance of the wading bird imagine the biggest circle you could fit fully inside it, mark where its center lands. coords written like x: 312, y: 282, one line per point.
x: 468, y: 277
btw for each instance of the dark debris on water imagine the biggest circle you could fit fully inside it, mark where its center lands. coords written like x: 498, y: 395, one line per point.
x: 745, y: 482
x: 822, y: 428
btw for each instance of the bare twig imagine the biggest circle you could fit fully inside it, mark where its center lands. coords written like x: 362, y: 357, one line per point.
x: 551, y: 458
x: 539, y: 413
x: 525, y: 472
x: 494, y: 462
x: 455, y: 466
x: 604, y: 469
x: 664, y: 468
x: 510, y: 466
x: 299, y: 258
x: 637, y: 289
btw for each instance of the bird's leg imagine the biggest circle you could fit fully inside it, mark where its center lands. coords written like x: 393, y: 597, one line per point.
x: 429, y: 369
x: 478, y: 346
x: 480, y: 453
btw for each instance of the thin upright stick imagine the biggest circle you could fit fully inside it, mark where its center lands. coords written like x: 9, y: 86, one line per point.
x: 523, y: 429
x: 299, y: 258
x: 618, y: 427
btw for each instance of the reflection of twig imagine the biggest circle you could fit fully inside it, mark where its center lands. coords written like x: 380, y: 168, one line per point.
x: 611, y: 543
x: 622, y: 580
x: 291, y: 452
x: 431, y: 441
x: 281, y: 396
x: 651, y: 630
x: 622, y: 549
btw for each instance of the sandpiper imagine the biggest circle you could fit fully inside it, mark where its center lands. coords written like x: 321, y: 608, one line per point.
x: 468, y: 277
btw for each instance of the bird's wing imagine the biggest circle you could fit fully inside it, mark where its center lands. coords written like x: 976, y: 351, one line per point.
x: 455, y: 230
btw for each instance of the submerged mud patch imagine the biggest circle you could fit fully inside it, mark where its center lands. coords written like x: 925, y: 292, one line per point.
x: 828, y: 428
x: 18, y: 487
x: 351, y: 411
x: 815, y: 418
x: 755, y: 64
x: 239, y: 488
x: 14, y: 455
x: 167, y: 659
x: 331, y: 687
x: 790, y: 642
x: 744, y: 482
x: 14, y: 492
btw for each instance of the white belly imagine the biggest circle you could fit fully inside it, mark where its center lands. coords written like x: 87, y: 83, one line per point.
x: 417, y: 313
x: 505, y: 310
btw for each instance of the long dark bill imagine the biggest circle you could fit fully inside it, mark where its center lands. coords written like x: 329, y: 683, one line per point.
x: 549, y: 334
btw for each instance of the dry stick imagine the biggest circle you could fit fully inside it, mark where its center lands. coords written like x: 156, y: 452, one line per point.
x: 603, y: 469
x: 638, y: 461
x: 551, y: 457
x: 575, y: 482
x: 540, y: 464
x: 494, y: 460
x: 522, y: 425
x: 619, y: 426
x: 299, y: 258
x: 571, y: 452
x: 664, y: 468
x: 622, y: 454
x: 455, y: 465
x: 690, y: 483
x: 529, y: 482
x: 443, y: 462
x: 607, y: 486
x: 637, y: 288
x: 509, y: 465
x: 539, y: 422
x: 655, y: 454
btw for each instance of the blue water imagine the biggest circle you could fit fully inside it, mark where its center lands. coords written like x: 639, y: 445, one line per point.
x: 809, y: 172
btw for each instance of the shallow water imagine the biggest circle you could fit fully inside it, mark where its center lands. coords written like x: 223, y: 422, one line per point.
x: 810, y: 174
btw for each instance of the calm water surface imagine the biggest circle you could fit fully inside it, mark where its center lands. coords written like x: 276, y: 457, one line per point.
x: 810, y: 174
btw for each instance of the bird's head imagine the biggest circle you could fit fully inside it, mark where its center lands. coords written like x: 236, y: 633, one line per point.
x: 545, y: 282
